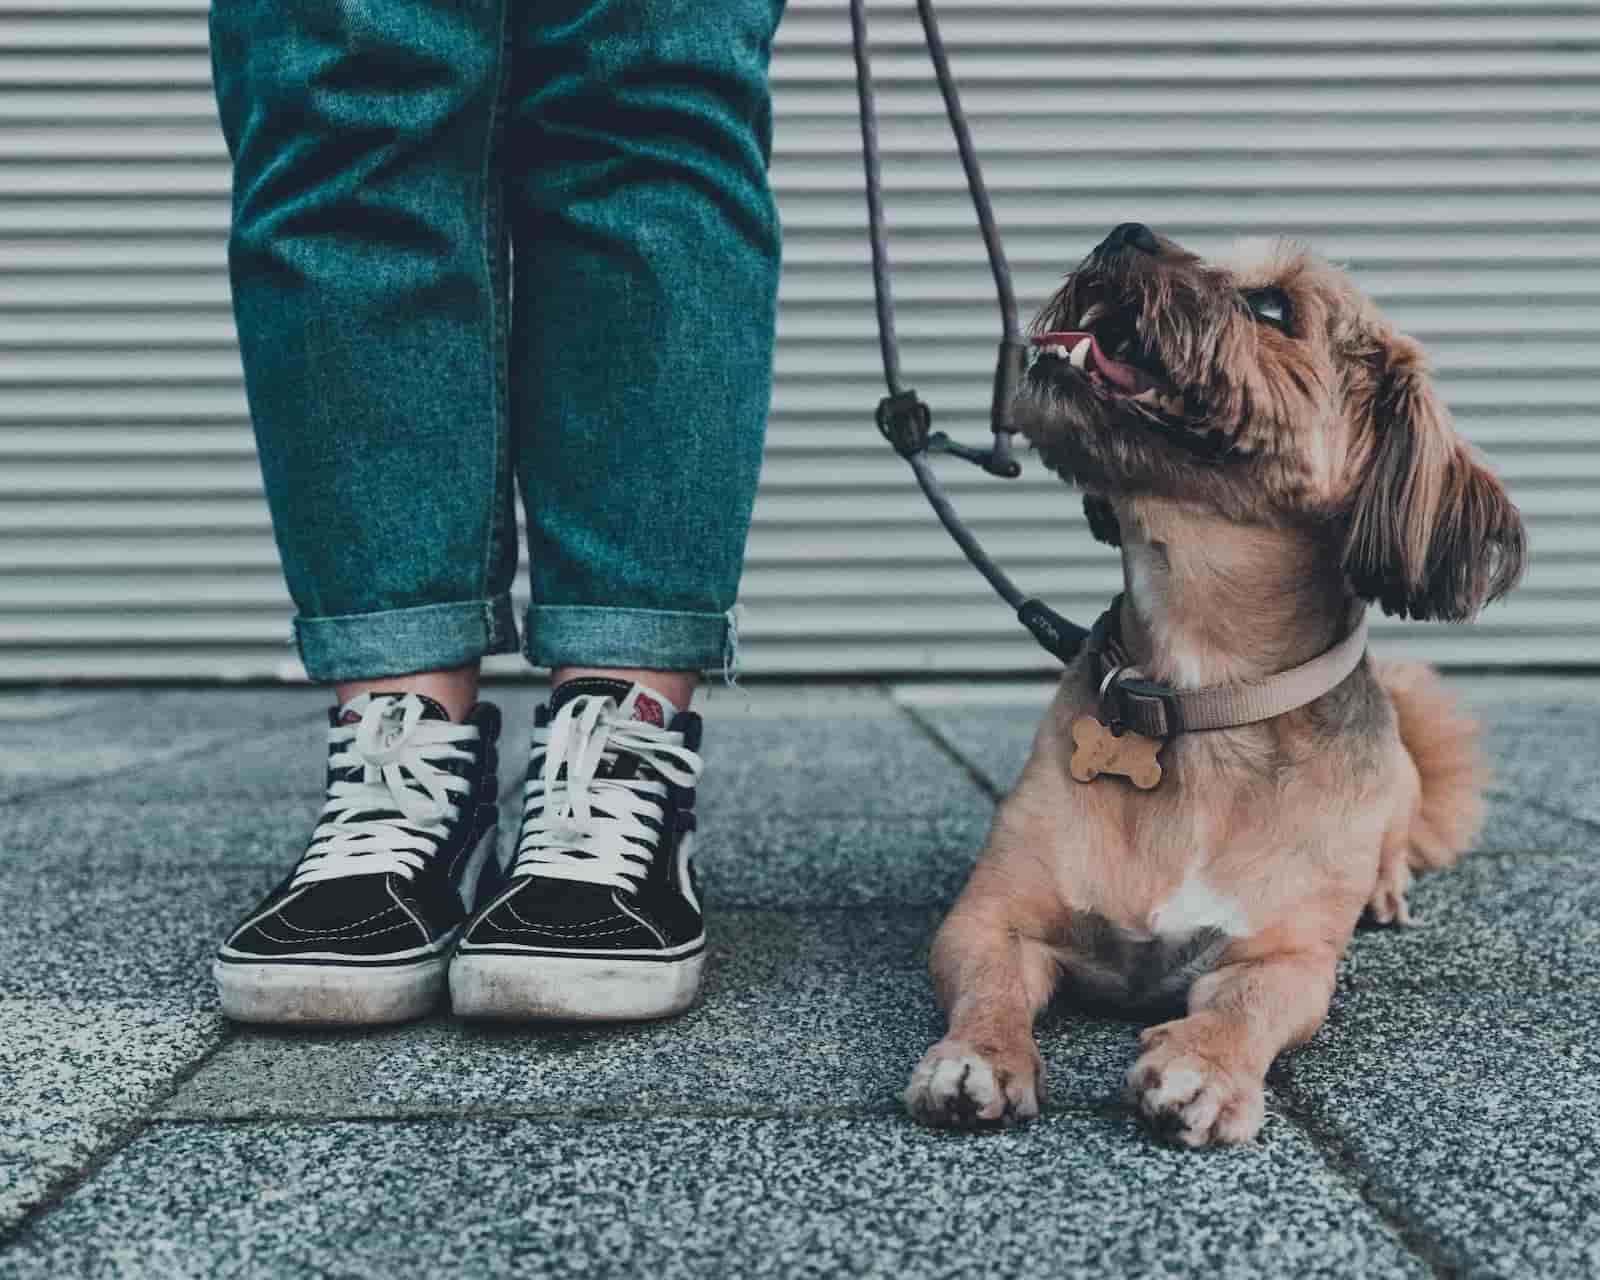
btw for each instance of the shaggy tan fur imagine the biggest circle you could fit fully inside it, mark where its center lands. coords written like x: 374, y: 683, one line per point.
x: 1292, y: 464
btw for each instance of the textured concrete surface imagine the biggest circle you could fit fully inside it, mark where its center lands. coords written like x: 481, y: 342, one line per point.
x: 76, y: 1074
x: 1476, y: 1117
x: 1076, y: 1196
x: 1443, y: 1123
x: 50, y: 740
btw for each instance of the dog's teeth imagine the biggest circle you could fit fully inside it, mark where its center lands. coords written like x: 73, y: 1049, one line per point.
x: 1147, y: 396
x: 1057, y: 350
x: 1080, y: 354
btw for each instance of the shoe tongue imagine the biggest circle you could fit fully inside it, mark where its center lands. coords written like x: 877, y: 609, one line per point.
x: 634, y: 701
x: 431, y: 710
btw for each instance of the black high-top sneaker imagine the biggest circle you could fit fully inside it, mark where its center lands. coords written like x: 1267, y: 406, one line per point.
x: 360, y: 930
x: 601, y: 919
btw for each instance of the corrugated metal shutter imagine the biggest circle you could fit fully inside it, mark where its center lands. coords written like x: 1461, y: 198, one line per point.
x: 1447, y: 151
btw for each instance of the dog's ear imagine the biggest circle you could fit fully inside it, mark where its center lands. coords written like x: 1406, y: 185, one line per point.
x: 1102, y: 520
x: 1431, y: 531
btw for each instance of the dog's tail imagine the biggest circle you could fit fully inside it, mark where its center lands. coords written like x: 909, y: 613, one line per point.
x: 1443, y: 742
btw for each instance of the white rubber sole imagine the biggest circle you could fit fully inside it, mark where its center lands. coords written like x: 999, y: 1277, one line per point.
x: 330, y: 994
x: 547, y: 988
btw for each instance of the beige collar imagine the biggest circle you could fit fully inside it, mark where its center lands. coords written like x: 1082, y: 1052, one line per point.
x: 1129, y: 701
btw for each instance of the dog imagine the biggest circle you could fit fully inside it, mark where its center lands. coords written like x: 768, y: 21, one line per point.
x: 1270, y: 456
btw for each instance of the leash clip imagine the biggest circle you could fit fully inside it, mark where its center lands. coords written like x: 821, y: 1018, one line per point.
x: 996, y: 461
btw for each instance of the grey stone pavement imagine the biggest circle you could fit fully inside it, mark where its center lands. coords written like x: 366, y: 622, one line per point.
x: 1445, y: 1122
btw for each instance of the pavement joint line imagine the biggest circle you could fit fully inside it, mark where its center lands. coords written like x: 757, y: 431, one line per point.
x: 1347, y: 1168
x: 605, y: 1113
x: 88, y: 781
x: 949, y: 750
x: 62, y: 1189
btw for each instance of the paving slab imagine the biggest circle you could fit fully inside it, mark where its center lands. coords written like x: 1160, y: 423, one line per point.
x: 1475, y: 1117
x: 798, y: 1013
x: 50, y: 740
x: 1497, y: 922
x: 76, y: 1074
x: 119, y: 938
x: 878, y: 766
x: 1078, y: 1195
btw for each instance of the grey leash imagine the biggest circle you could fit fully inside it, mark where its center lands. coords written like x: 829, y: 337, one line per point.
x: 903, y: 417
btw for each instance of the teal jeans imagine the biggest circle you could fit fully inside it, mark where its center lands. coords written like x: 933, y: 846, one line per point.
x: 478, y: 240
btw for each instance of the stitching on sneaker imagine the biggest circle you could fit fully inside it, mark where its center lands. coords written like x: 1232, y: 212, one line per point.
x: 639, y: 916
x: 336, y: 936
x: 404, y: 906
x: 328, y: 933
x: 591, y: 927
x: 557, y: 933
x: 581, y: 924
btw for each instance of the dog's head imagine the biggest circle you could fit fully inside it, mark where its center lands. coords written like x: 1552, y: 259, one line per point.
x: 1268, y: 388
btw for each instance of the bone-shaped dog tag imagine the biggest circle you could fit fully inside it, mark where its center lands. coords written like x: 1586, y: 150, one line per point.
x: 1097, y: 750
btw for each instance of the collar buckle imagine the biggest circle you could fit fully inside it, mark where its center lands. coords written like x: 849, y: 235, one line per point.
x: 1128, y: 701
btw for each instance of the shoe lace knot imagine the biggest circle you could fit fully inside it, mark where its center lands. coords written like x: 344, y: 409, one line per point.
x: 584, y: 818
x: 398, y: 812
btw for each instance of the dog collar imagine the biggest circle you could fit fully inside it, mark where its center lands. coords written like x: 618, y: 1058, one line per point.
x: 1129, y: 701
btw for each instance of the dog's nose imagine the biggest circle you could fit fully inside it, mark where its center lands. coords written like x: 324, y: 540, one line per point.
x: 1135, y: 235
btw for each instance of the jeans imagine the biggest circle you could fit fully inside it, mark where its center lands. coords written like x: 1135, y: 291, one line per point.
x: 478, y: 239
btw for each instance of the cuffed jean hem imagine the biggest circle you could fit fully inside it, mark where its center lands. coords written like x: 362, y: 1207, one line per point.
x: 431, y: 637
x: 652, y: 639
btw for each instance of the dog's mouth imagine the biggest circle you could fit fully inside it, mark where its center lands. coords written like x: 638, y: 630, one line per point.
x: 1107, y: 355
x: 1105, y: 349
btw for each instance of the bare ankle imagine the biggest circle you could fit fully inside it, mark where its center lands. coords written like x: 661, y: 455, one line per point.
x: 676, y: 686
x: 455, y: 689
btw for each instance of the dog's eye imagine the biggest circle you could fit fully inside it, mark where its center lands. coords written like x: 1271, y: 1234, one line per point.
x: 1271, y: 305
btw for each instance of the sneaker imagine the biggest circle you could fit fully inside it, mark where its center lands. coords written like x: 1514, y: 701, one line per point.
x: 601, y: 918
x: 360, y: 930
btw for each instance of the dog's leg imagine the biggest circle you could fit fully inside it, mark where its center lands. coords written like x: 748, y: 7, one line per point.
x: 1388, y: 904
x: 1201, y: 1080
x: 992, y: 981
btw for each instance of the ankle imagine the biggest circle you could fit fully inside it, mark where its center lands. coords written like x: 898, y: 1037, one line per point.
x: 455, y: 689
x: 677, y: 687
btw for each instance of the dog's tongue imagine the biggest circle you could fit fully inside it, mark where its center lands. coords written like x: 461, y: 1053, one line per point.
x: 1125, y: 377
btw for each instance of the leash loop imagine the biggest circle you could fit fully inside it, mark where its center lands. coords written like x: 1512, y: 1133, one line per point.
x: 903, y: 417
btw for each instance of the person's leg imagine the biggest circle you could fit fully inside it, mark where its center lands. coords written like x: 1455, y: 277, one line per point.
x: 646, y: 278
x: 647, y: 249
x: 367, y: 259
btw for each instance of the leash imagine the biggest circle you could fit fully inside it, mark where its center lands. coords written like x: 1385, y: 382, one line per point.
x: 903, y: 417
x: 1137, y: 715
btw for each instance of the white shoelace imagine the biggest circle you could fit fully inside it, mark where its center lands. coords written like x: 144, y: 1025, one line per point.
x: 396, y: 817
x: 593, y: 829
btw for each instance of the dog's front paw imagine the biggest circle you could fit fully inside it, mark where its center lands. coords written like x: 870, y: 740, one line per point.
x: 1188, y: 1098
x: 957, y: 1085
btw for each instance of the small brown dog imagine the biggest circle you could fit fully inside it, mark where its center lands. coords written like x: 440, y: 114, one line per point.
x: 1270, y: 455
